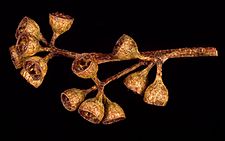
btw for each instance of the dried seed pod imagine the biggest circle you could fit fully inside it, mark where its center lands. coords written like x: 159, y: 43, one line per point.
x: 92, y: 109
x: 27, y: 25
x: 34, y: 70
x: 113, y: 113
x: 27, y: 45
x: 157, y: 93
x: 126, y: 48
x: 72, y: 98
x: 85, y: 66
x: 60, y: 23
x: 137, y: 81
x: 15, y: 57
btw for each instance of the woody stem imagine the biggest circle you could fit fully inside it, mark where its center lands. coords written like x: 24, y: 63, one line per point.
x: 147, y: 56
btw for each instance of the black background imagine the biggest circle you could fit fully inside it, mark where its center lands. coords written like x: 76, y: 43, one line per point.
x: 196, y: 85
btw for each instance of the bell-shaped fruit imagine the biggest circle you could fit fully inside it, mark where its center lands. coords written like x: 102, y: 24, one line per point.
x: 92, y: 109
x: 72, y: 98
x: 29, y: 26
x: 137, y: 81
x: 27, y: 45
x: 157, y: 93
x: 34, y: 70
x: 15, y: 57
x: 60, y: 23
x: 113, y: 113
x: 126, y: 48
x: 85, y: 66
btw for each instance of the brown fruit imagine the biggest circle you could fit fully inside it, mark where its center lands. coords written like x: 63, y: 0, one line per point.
x: 126, y: 48
x: 34, y: 70
x: 85, y: 66
x: 72, y: 98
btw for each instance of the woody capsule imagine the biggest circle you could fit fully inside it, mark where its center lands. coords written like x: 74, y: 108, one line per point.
x: 27, y: 45
x: 60, y: 23
x: 113, y: 112
x: 92, y: 109
x: 17, y: 60
x: 29, y: 26
x: 157, y: 93
x: 34, y: 70
x: 72, y: 98
x: 137, y: 81
x: 85, y: 66
x: 126, y: 48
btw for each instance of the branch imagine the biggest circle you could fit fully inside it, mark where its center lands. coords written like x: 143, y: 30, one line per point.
x: 146, y: 56
x: 98, y: 109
